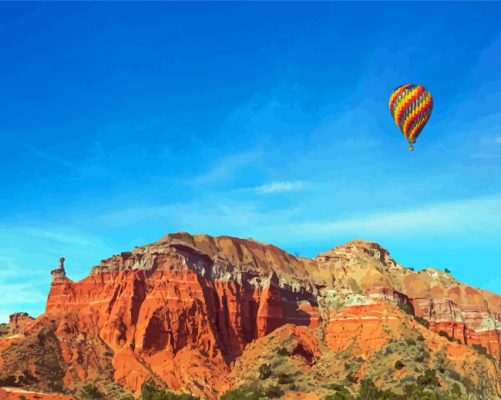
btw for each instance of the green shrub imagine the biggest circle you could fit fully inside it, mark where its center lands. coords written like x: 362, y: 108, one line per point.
x: 368, y: 391
x: 340, y: 396
x: 273, y: 392
x: 242, y: 393
x: 407, y: 308
x: 264, y: 371
x: 8, y: 380
x: 26, y: 378
x: 455, y: 391
x: 423, y: 322
x: 282, y: 351
x: 419, y: 358
x: 91, y: 392
x: 341, y: 393
x: 352, y: 378
x: 182, y: 396
x: 149, y: 391
x: 293, y: 387
x: 410, y: 341
x: 399, y: 365
x: 480, y: 349
x: 445, y: 335
x: 284, y: 378
x: 429, y: 378
x: 426, y: 387
x: 454, y: 375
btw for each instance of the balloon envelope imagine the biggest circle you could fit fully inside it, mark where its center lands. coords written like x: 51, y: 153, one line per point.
x: 411, y: 106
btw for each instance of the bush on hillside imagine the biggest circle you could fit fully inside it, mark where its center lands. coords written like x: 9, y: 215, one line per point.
x: 242, y: 393
x: 445, y: 335
x: 423, y: 321
x: 91, y: 392
x: 282, y: 351
x: 149, y: 391
x: 284, y: 378
x: 480, y: 349
x: 264, y: 371
x: 399, y: 365
x: 273, y: 392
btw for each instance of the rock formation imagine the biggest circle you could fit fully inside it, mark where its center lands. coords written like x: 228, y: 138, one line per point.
x: 18, y: 321
x: 189, y: 311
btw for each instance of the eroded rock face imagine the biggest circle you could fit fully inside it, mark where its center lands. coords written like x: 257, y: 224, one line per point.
x: 183, y: 310
x: 18, y: 321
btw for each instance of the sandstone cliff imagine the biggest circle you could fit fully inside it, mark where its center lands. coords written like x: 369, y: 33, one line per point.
x: 192, y: 312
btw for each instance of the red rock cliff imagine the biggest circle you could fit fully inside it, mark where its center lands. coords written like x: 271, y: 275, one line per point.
x: 182, y: 310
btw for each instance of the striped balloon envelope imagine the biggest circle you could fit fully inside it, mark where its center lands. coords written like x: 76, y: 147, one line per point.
x: 411, y: 106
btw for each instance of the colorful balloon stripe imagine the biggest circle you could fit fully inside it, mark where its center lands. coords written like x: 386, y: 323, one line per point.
x: 411, y: 107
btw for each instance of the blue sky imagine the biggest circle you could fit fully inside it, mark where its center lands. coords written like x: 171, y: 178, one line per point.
x: 121, y: 122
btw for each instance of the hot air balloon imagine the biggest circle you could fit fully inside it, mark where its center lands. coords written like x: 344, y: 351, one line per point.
x: 411, y: 106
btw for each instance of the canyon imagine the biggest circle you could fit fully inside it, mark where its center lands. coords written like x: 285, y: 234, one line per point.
x: 200, y: 314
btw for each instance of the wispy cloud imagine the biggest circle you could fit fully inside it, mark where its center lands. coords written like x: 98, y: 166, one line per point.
x: 27, y: 255
x: 20, y: 287
x: 280, y: 186
x: 486, y: 145
x: 485, y: 156
x: 10, y: 269
x: 20, y: 294
x: 50, y: 157
x: 63, y: 236
x: 91, y: 167
x: 225, y: 167
x: 218, y: 214
x: 465, y: 216
x: 362, y: 142
x: 491, y: 139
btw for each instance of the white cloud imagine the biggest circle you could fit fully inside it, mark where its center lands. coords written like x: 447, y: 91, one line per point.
x: 226, y: 167
x: 50, y: 157
x: 362, y: 142
x: 19, y: 286
x: 62, y: 235
x: 285, y: 225
x: 490, y: 135
x: 9, y: 269
x: 485, y: 156
x: 206, y: 215
x: 465, y: 216
x: 20, y: 294
x: 29, y: 253
x: 279, y: 187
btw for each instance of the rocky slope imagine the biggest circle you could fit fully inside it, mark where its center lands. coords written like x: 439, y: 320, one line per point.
x: 201, y: 314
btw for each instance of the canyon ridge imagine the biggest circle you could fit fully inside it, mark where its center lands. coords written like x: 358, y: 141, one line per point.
x: 210, y: 315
